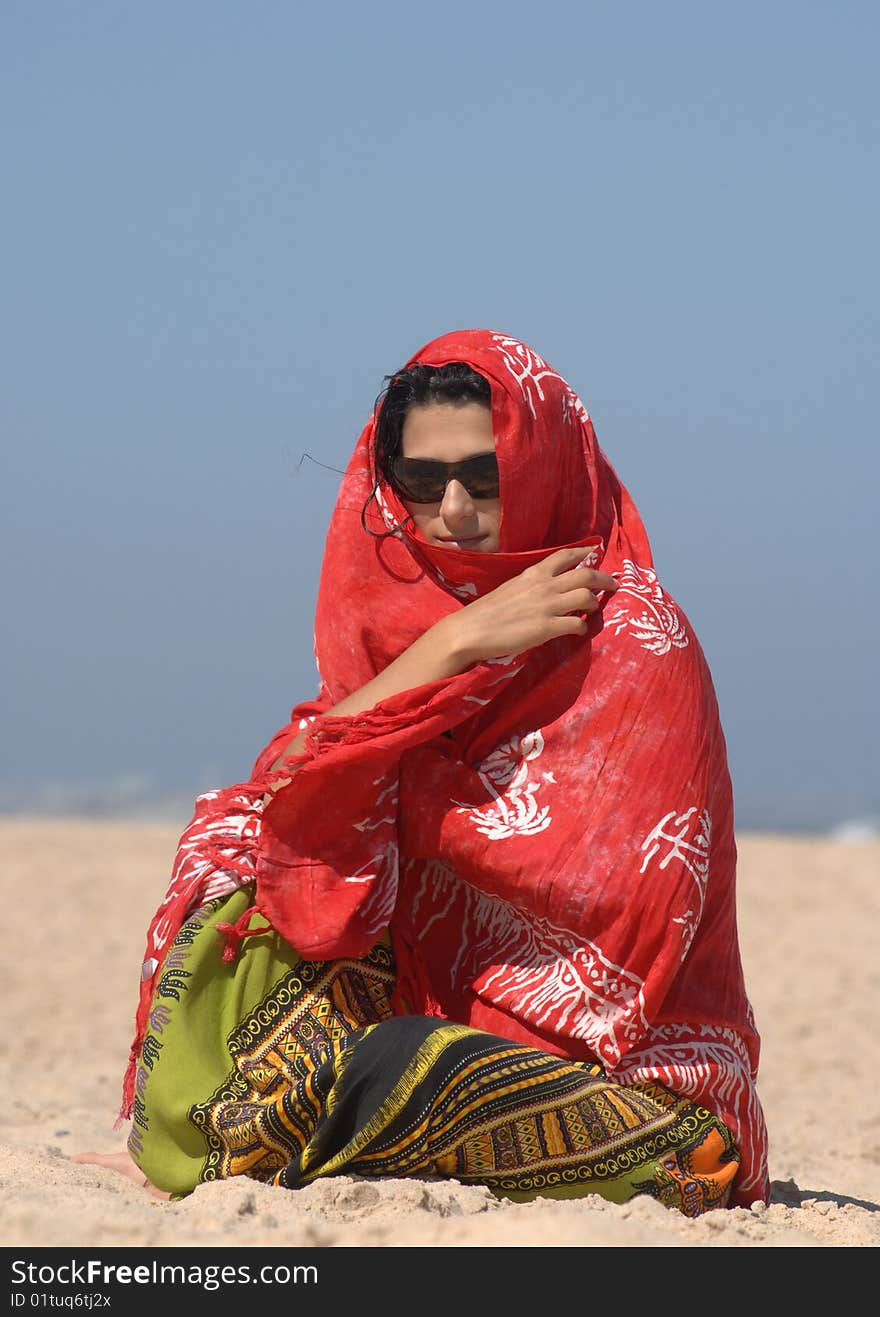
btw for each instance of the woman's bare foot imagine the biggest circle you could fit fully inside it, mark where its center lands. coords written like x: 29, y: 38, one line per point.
x: 121, y: 1162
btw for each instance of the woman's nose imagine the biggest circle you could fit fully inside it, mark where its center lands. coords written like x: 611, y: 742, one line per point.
x: 456, y: 501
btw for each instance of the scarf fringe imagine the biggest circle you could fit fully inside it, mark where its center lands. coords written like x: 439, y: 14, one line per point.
x: 127, y: 1104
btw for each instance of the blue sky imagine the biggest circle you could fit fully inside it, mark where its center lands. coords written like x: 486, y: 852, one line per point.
x: 223, y: 224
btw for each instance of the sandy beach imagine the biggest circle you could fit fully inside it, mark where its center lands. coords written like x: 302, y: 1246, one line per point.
x: 79, y: 896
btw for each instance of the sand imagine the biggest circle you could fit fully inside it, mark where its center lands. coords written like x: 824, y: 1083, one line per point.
x: 78, y: 896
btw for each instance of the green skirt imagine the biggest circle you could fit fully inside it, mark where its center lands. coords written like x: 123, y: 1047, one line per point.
x: 289, y: 1070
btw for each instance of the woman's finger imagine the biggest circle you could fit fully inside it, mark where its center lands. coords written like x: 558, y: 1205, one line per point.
x: 564, y: 559
x: 578, y: 601
x: 578, y: 577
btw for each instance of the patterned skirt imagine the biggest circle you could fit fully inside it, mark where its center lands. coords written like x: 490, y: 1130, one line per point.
x: 289, y: 1070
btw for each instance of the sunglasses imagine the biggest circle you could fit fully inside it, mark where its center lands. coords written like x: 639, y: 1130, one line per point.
x: 424, y: 481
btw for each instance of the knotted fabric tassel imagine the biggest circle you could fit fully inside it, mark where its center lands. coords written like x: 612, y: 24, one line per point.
x: 128, y: 1087
x: 235, y: 933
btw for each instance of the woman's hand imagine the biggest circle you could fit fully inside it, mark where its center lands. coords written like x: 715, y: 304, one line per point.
x: 545, y: 601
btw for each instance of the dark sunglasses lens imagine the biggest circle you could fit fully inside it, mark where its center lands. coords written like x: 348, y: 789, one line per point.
x: 421, y: 482
x: 425, y: 482
x: 479, y: 475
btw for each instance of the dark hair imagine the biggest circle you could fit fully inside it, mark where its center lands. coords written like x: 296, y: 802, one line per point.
x: 417, y: 386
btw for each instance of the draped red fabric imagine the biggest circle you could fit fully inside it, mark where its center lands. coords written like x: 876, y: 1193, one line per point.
x: 549, y: 836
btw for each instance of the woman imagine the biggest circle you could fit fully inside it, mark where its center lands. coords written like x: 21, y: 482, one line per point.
x: 473, y: 914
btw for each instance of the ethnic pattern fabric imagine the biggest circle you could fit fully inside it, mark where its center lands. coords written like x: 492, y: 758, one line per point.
x: 323, y: 1080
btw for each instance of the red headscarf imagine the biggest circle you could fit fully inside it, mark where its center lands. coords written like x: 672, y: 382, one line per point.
x: 548, y: 836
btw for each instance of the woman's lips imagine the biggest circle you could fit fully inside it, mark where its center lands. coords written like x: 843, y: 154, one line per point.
x: 466, y: 541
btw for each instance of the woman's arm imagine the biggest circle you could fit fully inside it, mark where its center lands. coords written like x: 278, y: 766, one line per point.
x: 541, y: 603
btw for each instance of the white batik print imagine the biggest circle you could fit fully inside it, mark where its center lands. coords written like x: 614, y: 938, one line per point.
x: 381, y: 871
x: 708, y: 1063
x: 466, y: 590
x: 653, y: 621
x: 572, y: 406
x: 671, y: 837
x: 528, y: 369
x: 199, y: 870
x: 507, y: 660
x: 542, y: 973
x: 505, y: 775
x: 386, y: 806
x: 503, y: 661
x: 387, y: 516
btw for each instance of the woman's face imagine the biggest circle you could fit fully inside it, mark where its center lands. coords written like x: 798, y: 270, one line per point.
x: 452, y: 432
